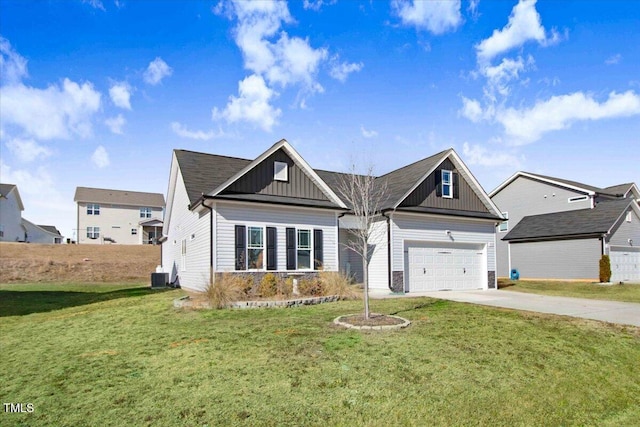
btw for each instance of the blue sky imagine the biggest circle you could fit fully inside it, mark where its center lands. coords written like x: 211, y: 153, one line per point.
x: 98, y: 93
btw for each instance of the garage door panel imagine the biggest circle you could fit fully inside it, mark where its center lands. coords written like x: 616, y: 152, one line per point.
x: 625, y: 264
x: 434, y: 267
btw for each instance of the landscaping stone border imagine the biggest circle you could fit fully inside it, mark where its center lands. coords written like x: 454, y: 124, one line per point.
x: 403, y: 325
x: 187, y: 302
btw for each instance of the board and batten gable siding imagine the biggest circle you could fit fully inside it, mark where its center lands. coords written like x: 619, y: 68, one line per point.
x: 557, y: 259
x: 425, y: 194
x: 259, y: 180
x: 623, y: 231
x: 525, y: 196
x: 433, y: 229
x: 193, y: 227
x: 379, y: 259
x: 228, y: 215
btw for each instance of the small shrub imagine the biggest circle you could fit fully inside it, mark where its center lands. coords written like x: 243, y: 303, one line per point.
x: 605, y: 269
x: 225, y: 289
x: 285, y: 287
x: 311, y: 287
x: 335, y: 283
x: 268, y: 285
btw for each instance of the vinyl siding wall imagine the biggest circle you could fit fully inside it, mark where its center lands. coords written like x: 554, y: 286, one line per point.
x: 115, y: 222
x: 626, y: 230
x: 559, y: 259
x: 379, y: 264
x: 523, y: 197
x: 433, y: 229
x: 11, y: 219
x: 193, y: 227
x: 350, y: 261
x: 228, y: 215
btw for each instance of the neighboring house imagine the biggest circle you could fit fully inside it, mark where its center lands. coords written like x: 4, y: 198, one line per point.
x: 11, y: 208
x: 41, y: 233
x: 559, y: 229
x: 118, y: 216
x: 277, y: 214
x: 14, y: 228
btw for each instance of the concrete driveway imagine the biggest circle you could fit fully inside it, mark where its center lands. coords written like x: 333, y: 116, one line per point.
x: 626, y: 313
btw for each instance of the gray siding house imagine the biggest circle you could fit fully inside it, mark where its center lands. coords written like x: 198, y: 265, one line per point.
x: 277, y: 214
x: 559, y: 229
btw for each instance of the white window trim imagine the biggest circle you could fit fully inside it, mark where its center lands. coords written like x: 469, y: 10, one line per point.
x: 146, y: 212
x: 134, y: 232
x: 505, y: 222
x: 311, y: 250
x: 449, y: 183
x: 93, y: 209
x: 92, y: 230
x: 264, y: 248
x: 280, y: 171
x: 577, y: 199
x: 629, y: 216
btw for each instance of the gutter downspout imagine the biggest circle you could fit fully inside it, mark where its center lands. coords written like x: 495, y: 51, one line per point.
x: 338, y: 237
x: 210, y: 238
x: 390, y: 273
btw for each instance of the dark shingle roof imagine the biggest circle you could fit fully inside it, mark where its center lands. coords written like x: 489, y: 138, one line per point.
x: 203, y: 172
x: 614, y: 190
x: 50, y: 229
x: 118, y: 197
x: 400, y: 181
x: 618, y: 190
x: 596, y: 221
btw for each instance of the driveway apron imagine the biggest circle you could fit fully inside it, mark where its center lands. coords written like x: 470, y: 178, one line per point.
x: 626, y: 313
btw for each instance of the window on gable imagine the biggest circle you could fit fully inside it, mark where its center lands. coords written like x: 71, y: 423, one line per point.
x: 255, y: 247
x: 280, y: 171
x: 304, y: 250
x: 93, y: 209
x: 145, y: 212
x: 447, y: 184
x: 504, y: 225
x: 629, y: 216
x: 93, y: 232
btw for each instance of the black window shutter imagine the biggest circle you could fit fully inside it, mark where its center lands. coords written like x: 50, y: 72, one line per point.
x: 241, y: 246
x: 291, y: 248
x: 271, y: 249
x: 438, y: 183
x: 455, y: 180
x: 318, y: 258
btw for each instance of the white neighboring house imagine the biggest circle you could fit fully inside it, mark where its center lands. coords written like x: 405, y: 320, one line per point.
x: 14, y: 228
x: 118, y: 216
x: 276, y: 214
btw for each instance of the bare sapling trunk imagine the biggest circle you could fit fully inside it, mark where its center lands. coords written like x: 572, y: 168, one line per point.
x: 364, y: 194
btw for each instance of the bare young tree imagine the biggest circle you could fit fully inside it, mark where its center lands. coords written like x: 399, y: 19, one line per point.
x: 365, y: 195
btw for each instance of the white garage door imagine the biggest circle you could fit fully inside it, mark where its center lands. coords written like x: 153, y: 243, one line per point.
x: 625, y: 264
x: 440, y: 266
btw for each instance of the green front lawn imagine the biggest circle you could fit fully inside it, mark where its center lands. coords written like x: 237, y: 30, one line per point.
x: 135, y: 360
x: 626, y: 292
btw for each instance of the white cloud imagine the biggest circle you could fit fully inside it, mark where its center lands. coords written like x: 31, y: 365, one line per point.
x: 478, y: 155
x: 100, y: 157
x: 296, y: 62
x: 560, y: 112
x: 34, y: 181
x: 27, y: 150
x: 54, y: 112
x: 500, y: 75
x: 473, y: 9
x: 368, y: 133
x: 156, y: 71
x: 436, y: 16
x: 120, y: 94
x: 183, y: 132
x: 316, y: 5
x: 471, y: 109
x: 613, y: 59
x: 524, y: 25
x: 13, y: 67
x: 341, y: 70
x: 115, y: 124
x: 251, y: 105
x: 96, y: 4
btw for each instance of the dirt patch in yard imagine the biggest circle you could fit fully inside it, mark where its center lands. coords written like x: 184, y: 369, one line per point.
x: 29, y: 262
